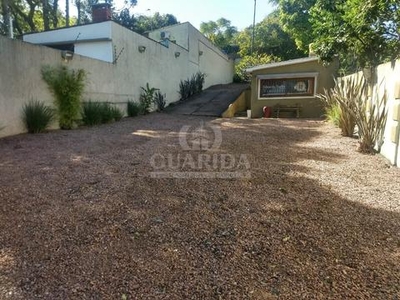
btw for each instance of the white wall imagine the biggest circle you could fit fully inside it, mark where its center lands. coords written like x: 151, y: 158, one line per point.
x: 102, y: 50
x: 96, y: 31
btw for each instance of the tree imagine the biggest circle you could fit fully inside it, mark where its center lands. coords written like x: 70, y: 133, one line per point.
x: 221, y: 33
x: 30, y: 15
x: 141, y: 24
x: 369, y: 29
x: 269, y: 38
x: 250, y: 61
x: 294, y: 17
x: 362, y: 31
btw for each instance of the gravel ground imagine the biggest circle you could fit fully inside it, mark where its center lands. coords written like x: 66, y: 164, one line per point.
x: 82, y: 218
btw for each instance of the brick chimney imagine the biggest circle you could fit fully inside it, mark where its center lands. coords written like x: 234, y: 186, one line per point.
x: 101, y: 12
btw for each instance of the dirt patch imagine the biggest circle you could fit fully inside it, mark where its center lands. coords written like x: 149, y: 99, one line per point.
x: 81, y: 218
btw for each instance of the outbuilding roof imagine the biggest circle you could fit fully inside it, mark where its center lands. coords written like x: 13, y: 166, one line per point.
x: 283, y: 63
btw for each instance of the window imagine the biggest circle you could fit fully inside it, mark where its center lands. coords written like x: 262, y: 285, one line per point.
x: 296, y: 85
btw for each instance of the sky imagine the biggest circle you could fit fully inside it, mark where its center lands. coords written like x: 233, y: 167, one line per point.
x: 239, y: 12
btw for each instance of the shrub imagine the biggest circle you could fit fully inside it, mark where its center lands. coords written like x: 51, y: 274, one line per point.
x: 191, y: 86
x: 333, y: 114
x: 106, y: 112
x: 36, y: 116
x: 147, y: 98
x: 159, y: 101
x: 91, y: 113
x: 117, y: 113
x: 133, y: 108
x: 184, y: 89
x: 200, y: 79
x: 95, y: 113
x: 67, y: 87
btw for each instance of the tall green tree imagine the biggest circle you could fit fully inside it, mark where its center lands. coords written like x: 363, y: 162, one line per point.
x: 295, y: 19
x: 221, y: 33
x: 368, y: 29
x: 363, y: 33
x: 30, y: 15
x: 269, y: 38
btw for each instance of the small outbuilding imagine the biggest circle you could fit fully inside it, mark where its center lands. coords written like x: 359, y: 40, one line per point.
x: 289, y: 88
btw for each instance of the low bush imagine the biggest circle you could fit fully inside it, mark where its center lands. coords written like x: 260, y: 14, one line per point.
x: 191, y: 86
x: 37, y: 116
x: 117, y: 113
x: 333, y: 114
x: 133, y: 108
x: 91, y: 113
x: 159, y: 101
x: 95, y: 113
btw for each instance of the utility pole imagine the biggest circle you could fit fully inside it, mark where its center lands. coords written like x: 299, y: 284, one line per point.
x: 67, y: 13
x: 254, y: 26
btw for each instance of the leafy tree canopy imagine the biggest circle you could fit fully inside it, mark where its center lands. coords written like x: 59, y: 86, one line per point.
x: 269, y: 38
x: 142, y: 23
x: 221, y: 33
x: 365, y: 30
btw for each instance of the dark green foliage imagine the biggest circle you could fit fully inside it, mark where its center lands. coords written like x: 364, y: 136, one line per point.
x: 91, y: 113
x: 95, y: 113
x: 199, y: 78
x: 133, y: 109
x: 36, y: 116
x: 191, y: 86
x: 222, y: 34
x: 159, y: 101
x: 67, y: 87
x: 141, y: 23
x: 147, y: 98
x: 184, y: 91
x: 117, y: 113
x: 250, y: 61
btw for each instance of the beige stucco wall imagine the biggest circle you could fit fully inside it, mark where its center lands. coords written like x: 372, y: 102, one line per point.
x: 21, y: 63
x: 311, y: 107
x: 388, y: 79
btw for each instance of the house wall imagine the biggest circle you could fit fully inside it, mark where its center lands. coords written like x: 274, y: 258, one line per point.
x: 102, y: 50
x: 92, y: 40
x: 311, y: 107
x: 203, y: 55
x: 21, y: 63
